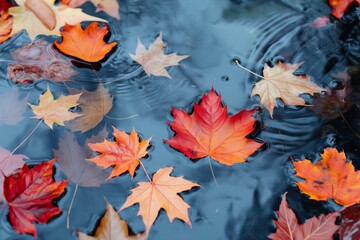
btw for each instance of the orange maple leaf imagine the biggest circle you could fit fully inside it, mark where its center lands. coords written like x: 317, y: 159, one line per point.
x: 55, y: 111
x: 87, y: 44
x: 124, y: 154
x: 154, y: 60
x: 315, y: 228
x: 332, y: 177
x: 209, y: 131
x: 280, y: 82
x: 339, y: 6
x: 6, y: 23
x: 161, y: 193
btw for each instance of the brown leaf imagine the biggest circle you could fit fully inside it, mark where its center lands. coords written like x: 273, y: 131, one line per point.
x: 350, y: 223
x: 111, y: 7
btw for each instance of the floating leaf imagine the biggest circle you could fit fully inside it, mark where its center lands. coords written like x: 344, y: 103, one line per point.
x: 330, y: 178
x: 280, y: 82
x: 55, y: 111
x: 350, y: 223
x: 5, y: 5
x: 86, y: 44
x: 154, y: 60
x: 339, y: 6
x: 111, y: 227
x: 124, y: 154
x: 30, y: 194
x: 6, y: 23
x: 161, y: 193
x: 315, y: 228
x: 39, y: 16
x: 12, y: 110
x: 111, y: 7
x: 209, y: 131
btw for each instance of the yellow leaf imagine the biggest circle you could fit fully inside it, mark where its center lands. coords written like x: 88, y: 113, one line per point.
x: 111, y: 227
x: 32, y: 20
x: 55, y: 111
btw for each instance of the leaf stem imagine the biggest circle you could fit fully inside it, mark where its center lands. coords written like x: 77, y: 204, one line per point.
x: 248, y: 70
x: 125, y: 76
x: 212, y: 172
x: 143, y: 167
x: 347, y: 123
x: 70, y: 207
x: 31, y: 133
x: 125, y: 118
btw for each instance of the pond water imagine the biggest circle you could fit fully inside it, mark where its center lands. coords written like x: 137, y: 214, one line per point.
x: 214, y: 34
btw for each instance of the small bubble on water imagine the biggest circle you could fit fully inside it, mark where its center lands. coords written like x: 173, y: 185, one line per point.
x: 133, y: 80
x: 225, y: 78
x: 236, y: 60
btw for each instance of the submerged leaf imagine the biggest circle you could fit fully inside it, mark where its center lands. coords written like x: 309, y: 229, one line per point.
x: 350, y: 223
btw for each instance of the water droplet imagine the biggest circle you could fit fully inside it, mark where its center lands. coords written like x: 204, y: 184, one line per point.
x: 225, y: 78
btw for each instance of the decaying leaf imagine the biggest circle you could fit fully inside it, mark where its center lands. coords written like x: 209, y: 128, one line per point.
x: 339, y: 6
x: 124, y: 154
x: 350, y: 223
x: 161, y: 193
x: 111, y: 7
x: 154, y: 60
x: 39, y: 19
x: 9, y: 164
x: 12, y: 109
x: 30, y: 194
x: 55, y: 111
x: 6, y: 23
x: 71, y: 160
x: 86, y: 44
x: 111, y: 227
x: 94, y: 106
x: 39, y: 60
x: 280, y: 82
x: 315, y: 228
x: 209, y: 131
x: 330, y: 178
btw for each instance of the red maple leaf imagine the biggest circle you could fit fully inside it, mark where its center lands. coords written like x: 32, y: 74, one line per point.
x: 5, y: 5
x: 29, y: 194
x: 209, y: 131
x: 339, y: 6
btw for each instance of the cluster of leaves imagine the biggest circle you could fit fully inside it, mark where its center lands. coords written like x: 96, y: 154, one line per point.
x: 207, y: 132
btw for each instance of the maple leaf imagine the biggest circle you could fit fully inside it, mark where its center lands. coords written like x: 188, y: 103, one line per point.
x: 5, y: 5
x: 288, y: 227
x: 331, y: 177
x: 71, y: 160
x: 55, y: 111
x: 280, y: 82
x: 350, y: 223
x: 209, y: 131
x: 39, y: 16
x: 94, y: 106
x: 29, y: 194
x: 87, y: 44
x: 111, y: 227
x: 39, y: 61
x: 124, y: 154
x: 154, y: 60
x: 161, y: 193
x: 111, y: 7
x: 9, y: 164
x: 6, y: 23
x: 339, y: 6
x: 12, y: 110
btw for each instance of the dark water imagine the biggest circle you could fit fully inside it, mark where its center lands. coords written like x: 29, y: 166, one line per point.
x: 213, y: 33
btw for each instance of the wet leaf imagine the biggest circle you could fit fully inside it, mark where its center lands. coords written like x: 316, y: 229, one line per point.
x: 315, y: 228
x: 9, y: 164
x: 330, y: 178
x: 209, y: 131
x: 71, y: 160
x: 339, y: 6
x: 39, y: 18
x: 6, y: 23
x: 154, y: 60
x: 161, y: 193
x: 55, y: 111
x: 5, y: 5
x: 94, y: 106
x: 29, y: 194
x: 280, y: 82
x: 350, y: 223
x: 86, y: 44
x: 12, y: 109
x: 124, y: 154
x: 111, y: 7
x: 111, y: 227
x: 39, y: 60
